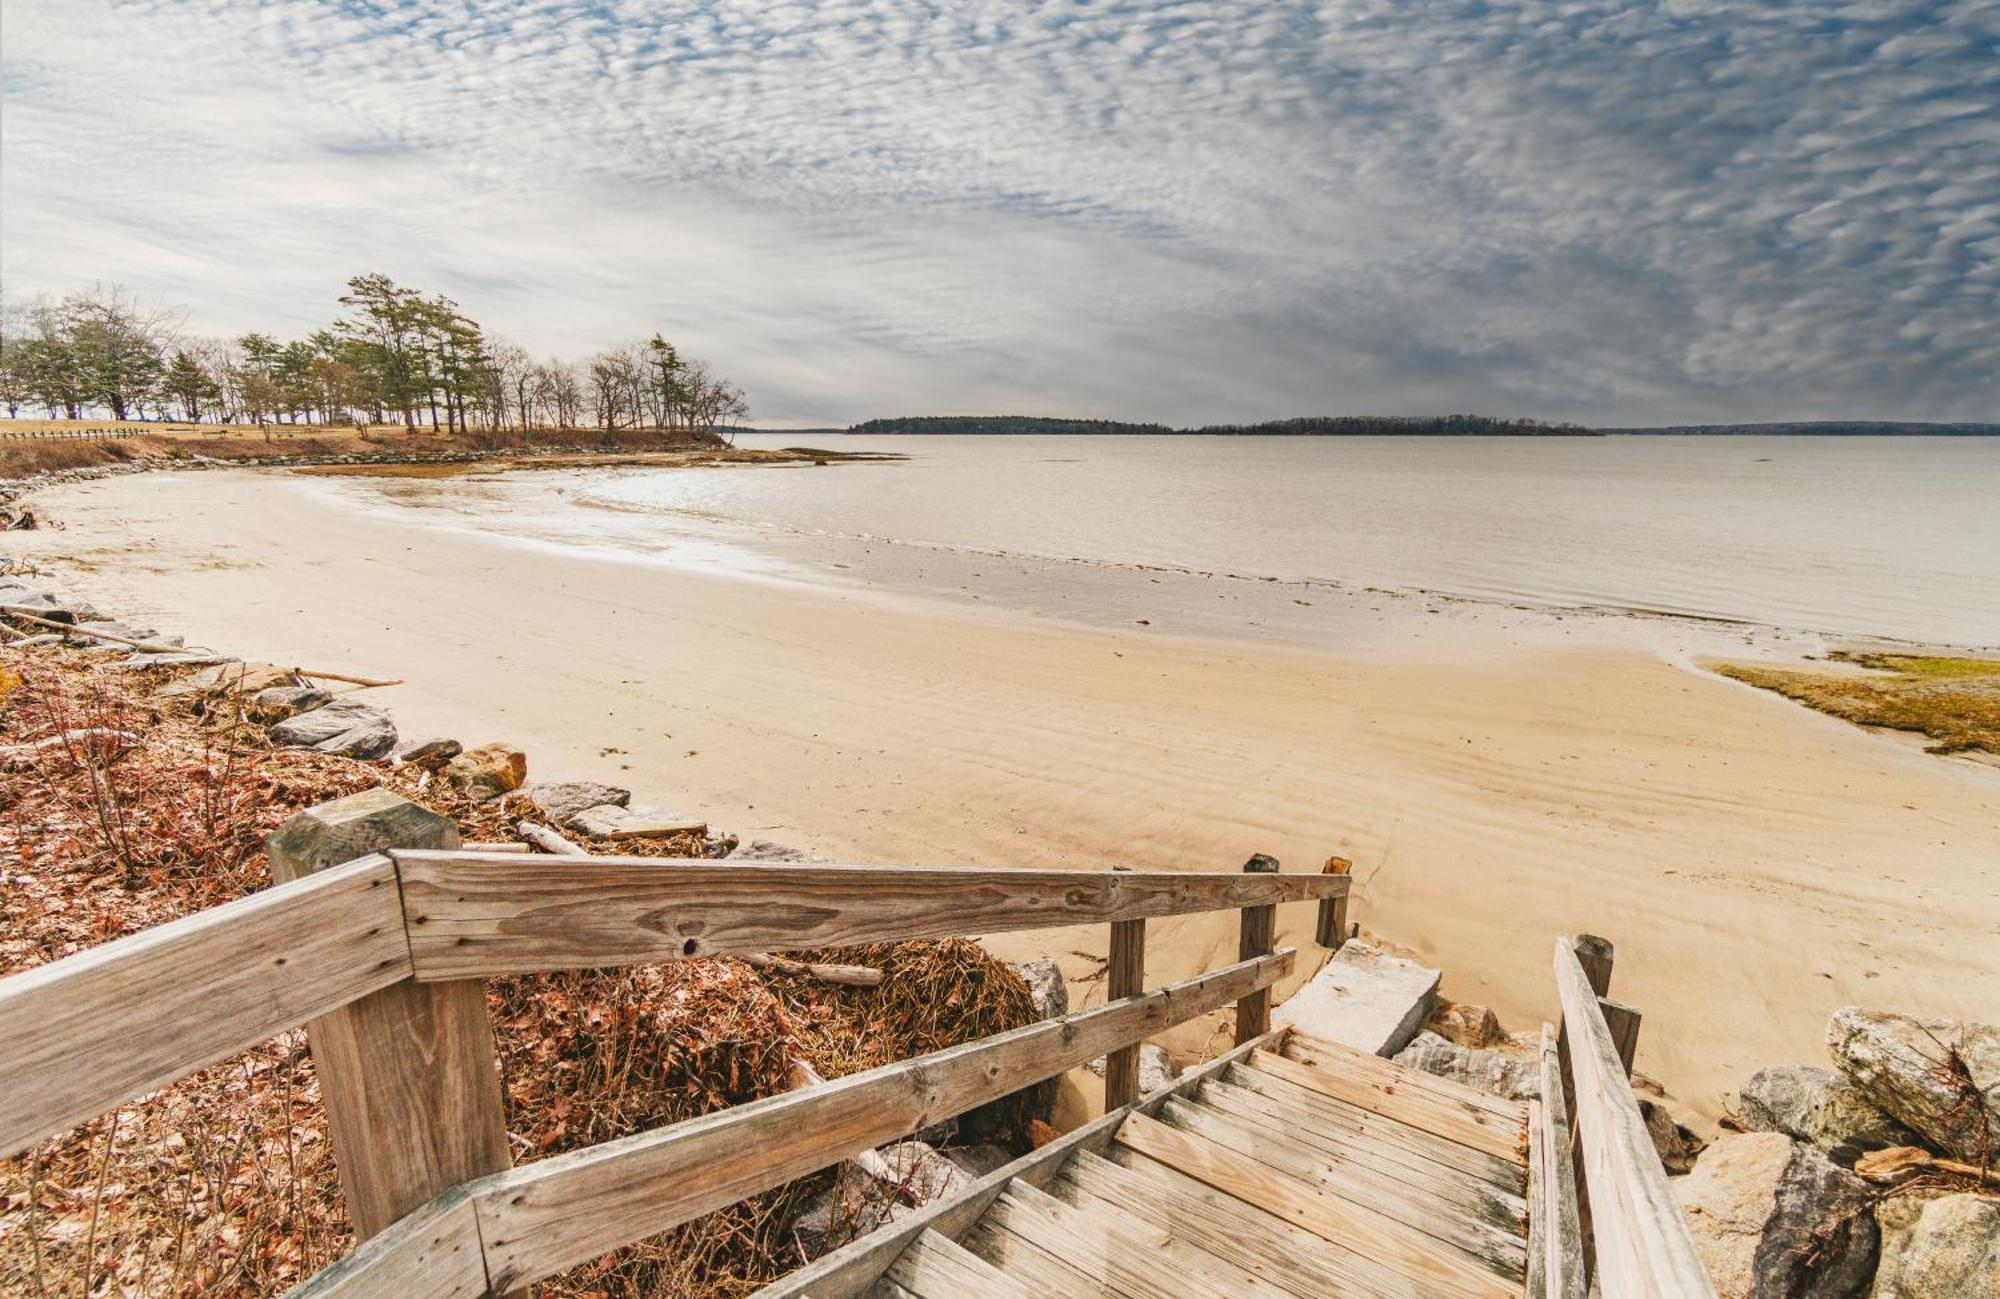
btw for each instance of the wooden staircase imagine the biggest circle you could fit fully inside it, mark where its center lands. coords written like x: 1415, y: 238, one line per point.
x: 1295, y: 1169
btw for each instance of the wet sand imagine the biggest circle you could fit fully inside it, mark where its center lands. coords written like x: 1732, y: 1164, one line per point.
x: 1757, y: 865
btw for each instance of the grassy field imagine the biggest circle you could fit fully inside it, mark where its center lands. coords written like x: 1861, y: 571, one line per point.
x: 1952, y: 701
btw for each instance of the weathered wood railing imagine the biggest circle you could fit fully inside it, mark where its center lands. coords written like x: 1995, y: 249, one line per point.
x: 378, y: 940
x: 1633, y: 1237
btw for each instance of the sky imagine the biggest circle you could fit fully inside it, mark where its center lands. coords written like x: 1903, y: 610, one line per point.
x: 1217, y: 210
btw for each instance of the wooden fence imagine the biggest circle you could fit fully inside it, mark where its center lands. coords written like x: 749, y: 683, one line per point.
x: 379, y: 940
x: 70, y: 435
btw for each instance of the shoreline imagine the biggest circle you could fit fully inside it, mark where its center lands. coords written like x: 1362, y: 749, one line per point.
x: 1743, y: 853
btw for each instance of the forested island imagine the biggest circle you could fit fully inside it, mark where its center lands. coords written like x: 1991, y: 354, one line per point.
x: 1309, y: 426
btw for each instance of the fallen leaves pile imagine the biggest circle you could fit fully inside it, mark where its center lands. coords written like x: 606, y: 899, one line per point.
x: 224, y: 1183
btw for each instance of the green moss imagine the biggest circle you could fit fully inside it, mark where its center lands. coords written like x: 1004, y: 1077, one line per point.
x: 1955, y: 702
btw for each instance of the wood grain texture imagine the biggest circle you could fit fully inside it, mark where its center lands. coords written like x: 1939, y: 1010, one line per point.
x: 935, y: 1265
x: 1308, y: 1049
x: 432, y: 1252
x: 545, y: 1217
x: 1465, y: 1124
x: 1555, y: 1238
x: 474, y: 914
x: 86, y: 1033
x: 1122, y: 1253
x: 1125, y: 976
x: 1253, y: 1013
x: 1643, y: 1246
x: 1332, y: 929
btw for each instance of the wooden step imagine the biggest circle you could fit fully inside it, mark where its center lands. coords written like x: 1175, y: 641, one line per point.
x: 1501, y: 1247
x: 1307, y: 1049
x: 1028, y: 1263
x: 1465, y: 1124
x: 1304, y: 1264
x: 1391, y: 1136
x: 1446, y: 1270
x: 1352, y: 1155
x: 1122, y: 1253
x: 937, y: 1267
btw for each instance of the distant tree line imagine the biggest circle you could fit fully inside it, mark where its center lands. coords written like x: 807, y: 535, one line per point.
x: 396, y: 355
x: 1313, y: 426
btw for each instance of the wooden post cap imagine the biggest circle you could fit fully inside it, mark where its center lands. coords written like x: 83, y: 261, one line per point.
x: 346, y: 828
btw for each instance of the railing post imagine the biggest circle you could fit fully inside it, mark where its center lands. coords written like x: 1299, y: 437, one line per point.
x: 1125, y: 977
x: 408, y: 1074
x: 1595, y: 955
x: 1253, y: 1013
x: 1333, y: 911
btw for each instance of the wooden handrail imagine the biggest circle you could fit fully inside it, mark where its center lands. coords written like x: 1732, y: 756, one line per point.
x: 83, y: 1034
x: 1643, y: 1247
x: 473, y: 913
x: 539, y: 1219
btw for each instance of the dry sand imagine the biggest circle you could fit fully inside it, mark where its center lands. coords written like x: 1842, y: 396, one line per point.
x: 1757, y: 865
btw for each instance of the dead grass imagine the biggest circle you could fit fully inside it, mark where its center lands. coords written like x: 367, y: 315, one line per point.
x: 224, y: 1183
x: 1954, y: 702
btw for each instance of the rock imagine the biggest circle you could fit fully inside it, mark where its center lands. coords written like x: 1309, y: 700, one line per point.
x: 89, y: 633
x: 1046, y: 985
x: 561, y: 800
x: 718, y: 846
x: 1928, y: 1074
x: 343, y: 727
x: 49, y: 606
x: 431, y: 755
x: 1678, y: 1145
x: 1488, y: 1071
x: 977, y: 1161
x: 1156, y: 1069
x: 1467, y: 1025
x: 279, y: 702
x: 487, y: 771
x: 766, y: 850
x: 610, y: 821
x: 228, y: 677
x: 1363, y: 998
x: 857, y: 1203
x: 1820, y: 1107
x: 141, y: 660
x: 1946, y: 1247
x: 1775, y: 1219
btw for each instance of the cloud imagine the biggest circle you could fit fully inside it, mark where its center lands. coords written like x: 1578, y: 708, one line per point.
x: 1211, y: 209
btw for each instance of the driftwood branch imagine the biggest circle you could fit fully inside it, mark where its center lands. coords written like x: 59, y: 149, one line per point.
x: 854, y: 976
x: 548, y: 840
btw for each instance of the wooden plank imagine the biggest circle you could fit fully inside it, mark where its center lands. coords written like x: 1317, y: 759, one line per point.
x: 1464, y: 1124
x: 935, y: 1266
x: 1643, y: 1246
x: 1253, y: 1013
x: 432, y: 1252
x: 887, y: 1289
x: 848, y: 1271
x: 1332, y: 931
x: 1446, y: 1271
x: 1047, y: 1275
x: 1553, y: 1206
x: 1356, y: 1160
x: 84, y: 1034
x: 407, y: 1074
x: 1306, y: 1265
x: 550, y: 1215
x: 1622, y: 1022
x: 1118, y: 1252
x: 1393, y: 1138
x: 1496, y: 1244
x: 1308, y: 1049
x: 477, y: 914
x: 1125, y: 976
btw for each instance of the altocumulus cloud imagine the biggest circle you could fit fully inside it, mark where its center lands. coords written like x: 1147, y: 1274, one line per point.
x: 1618, y: 212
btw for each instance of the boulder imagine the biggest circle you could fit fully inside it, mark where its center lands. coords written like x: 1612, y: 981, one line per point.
x: 639, y: 821
x: 487, y: 771
x: 718, y: 845
x: 343, y: 727
x: 277, y: 703
x: 1488, y: 1071
x: 1156, y: 1069
x: 89, y: 633
x: 431, y: 755
x: 1467, y: 1025
x: 1947, y: 1247
x: 1932, y: 1075
x: 1045, y: 984
x: 1821, y: 1107
x: 1363, y: 998
x: 1677, y: 1144
x: 1773, y: 1218
x: 858, y: 1202
x: 560, y: 800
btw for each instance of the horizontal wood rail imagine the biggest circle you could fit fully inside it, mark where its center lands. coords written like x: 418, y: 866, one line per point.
x: 1643, y: 1249
x: 84, y: 1034
x: 475, y: 913
x: 505, y: 1231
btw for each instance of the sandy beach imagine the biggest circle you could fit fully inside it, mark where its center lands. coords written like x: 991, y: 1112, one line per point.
x: 1757, y: 865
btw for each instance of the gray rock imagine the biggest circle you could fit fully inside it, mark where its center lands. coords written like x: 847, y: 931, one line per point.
x: 88, y: 633
x: 430, y: 754
x: 1467, y: 1025
x: 1156, y: 1068
x: 1046, y: 985
x: 141, y: 660
x: 766, y: 850
x: 1677, y: 1144
x: 858, y: 1203
x: 718, y: 845
x: 344, y: 727
x: 1946, y: 1247
x: 49, y: 606
x: 608, y: 819
x: 280, y: 702
x: 1487, y: 1071
x: 1773, y: 1218
x: 561, y: 800
x: 46, y: 638
x: 1363, y: 998
x: 1821, y: 1107
x: 1937, y: 1077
